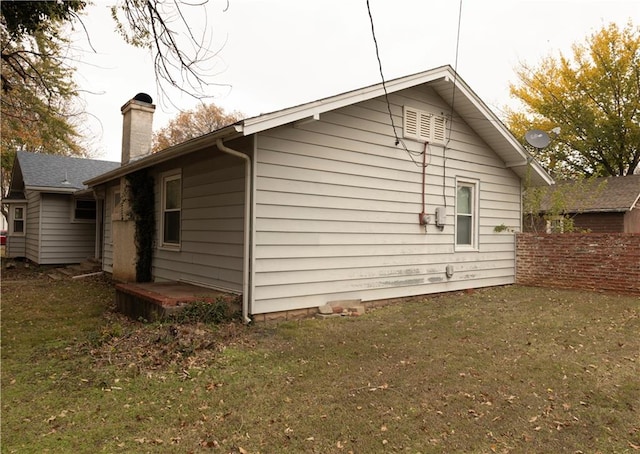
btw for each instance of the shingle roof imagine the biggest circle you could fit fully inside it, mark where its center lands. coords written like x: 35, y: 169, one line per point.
x: 606, y: 194
x: 41, y: 170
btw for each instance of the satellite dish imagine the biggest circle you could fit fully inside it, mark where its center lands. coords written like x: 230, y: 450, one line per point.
x: 537, y: 138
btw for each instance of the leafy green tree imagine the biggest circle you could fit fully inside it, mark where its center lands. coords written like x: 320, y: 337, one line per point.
x: 36, y: 106
x: 594, y: 97
x: 193, y: 123
x: 38, y: 91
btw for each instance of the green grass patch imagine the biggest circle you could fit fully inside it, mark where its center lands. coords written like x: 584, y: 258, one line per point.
x: 509, y: 369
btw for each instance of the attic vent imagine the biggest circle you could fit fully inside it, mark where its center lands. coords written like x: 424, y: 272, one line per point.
x: 421, y: 125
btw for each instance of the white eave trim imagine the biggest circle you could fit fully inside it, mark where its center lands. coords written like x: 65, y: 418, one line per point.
x: 52, y: 189
x: 229, y: 132
x: 315, y: 108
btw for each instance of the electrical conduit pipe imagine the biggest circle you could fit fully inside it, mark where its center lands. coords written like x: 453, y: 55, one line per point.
x: 247, y: 225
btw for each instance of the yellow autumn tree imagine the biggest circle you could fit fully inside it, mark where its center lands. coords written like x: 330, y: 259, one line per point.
x: 193, y: 123
x: 593, y: 97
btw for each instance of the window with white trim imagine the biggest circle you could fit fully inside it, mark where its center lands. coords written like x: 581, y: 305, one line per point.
x: 84, y: 210
x: 171, y: 209
x: 466, y: 214
x: 423, y: 125
x: 18, y: 222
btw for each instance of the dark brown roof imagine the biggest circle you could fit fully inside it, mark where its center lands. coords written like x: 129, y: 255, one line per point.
x: 606, y: 194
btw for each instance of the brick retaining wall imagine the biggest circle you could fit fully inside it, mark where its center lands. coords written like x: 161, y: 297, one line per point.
x: 592, y: 261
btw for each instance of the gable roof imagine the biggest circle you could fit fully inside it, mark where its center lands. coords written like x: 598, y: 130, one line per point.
x: 55, y: 173
x: 444, y: 80
x: 596, y: 195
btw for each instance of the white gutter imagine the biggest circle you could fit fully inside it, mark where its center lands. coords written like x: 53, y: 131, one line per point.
x: 247, y: 225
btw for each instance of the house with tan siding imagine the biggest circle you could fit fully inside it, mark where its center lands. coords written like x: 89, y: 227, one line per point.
x: 382, y: 192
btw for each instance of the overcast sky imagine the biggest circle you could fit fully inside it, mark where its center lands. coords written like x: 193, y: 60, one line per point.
x: 279, y: 53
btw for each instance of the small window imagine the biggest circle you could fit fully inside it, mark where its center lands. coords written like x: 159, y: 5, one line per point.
x: 466, y: 215
x: 18, y: 224
x: 422, y: 125
x: 84, y: 210
x: 171, y: 209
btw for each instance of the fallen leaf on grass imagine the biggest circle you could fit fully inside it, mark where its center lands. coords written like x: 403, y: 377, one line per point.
x: 384, y: 386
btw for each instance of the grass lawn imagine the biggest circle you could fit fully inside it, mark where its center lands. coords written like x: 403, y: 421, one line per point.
x: 509, y: 369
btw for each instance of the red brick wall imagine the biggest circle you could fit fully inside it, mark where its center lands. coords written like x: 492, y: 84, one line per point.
x: 593, y: 261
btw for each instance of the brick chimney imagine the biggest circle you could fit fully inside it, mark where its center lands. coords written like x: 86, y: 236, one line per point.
x: 137, y: 121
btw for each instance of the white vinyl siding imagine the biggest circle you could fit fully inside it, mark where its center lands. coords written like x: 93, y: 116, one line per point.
x: 16, y: 246
x: 337, y: 208
x: 62, y: 240
x: 51, y: 237
x: 34, y: 217
x: 212, y: 219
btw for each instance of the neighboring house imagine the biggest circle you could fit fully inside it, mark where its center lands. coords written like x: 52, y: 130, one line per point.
x: 599, y: 205
x: 319, y: 202
x: 52, y: 215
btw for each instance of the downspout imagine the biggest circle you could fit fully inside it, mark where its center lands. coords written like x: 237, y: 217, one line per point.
x: 247, y: 225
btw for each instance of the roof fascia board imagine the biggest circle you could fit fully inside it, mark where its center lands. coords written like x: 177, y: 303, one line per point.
x: 314, y: 108
x: 634, y: 203
x: 173, y: 152
x: 505, y: 133
x: 52, y: 189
